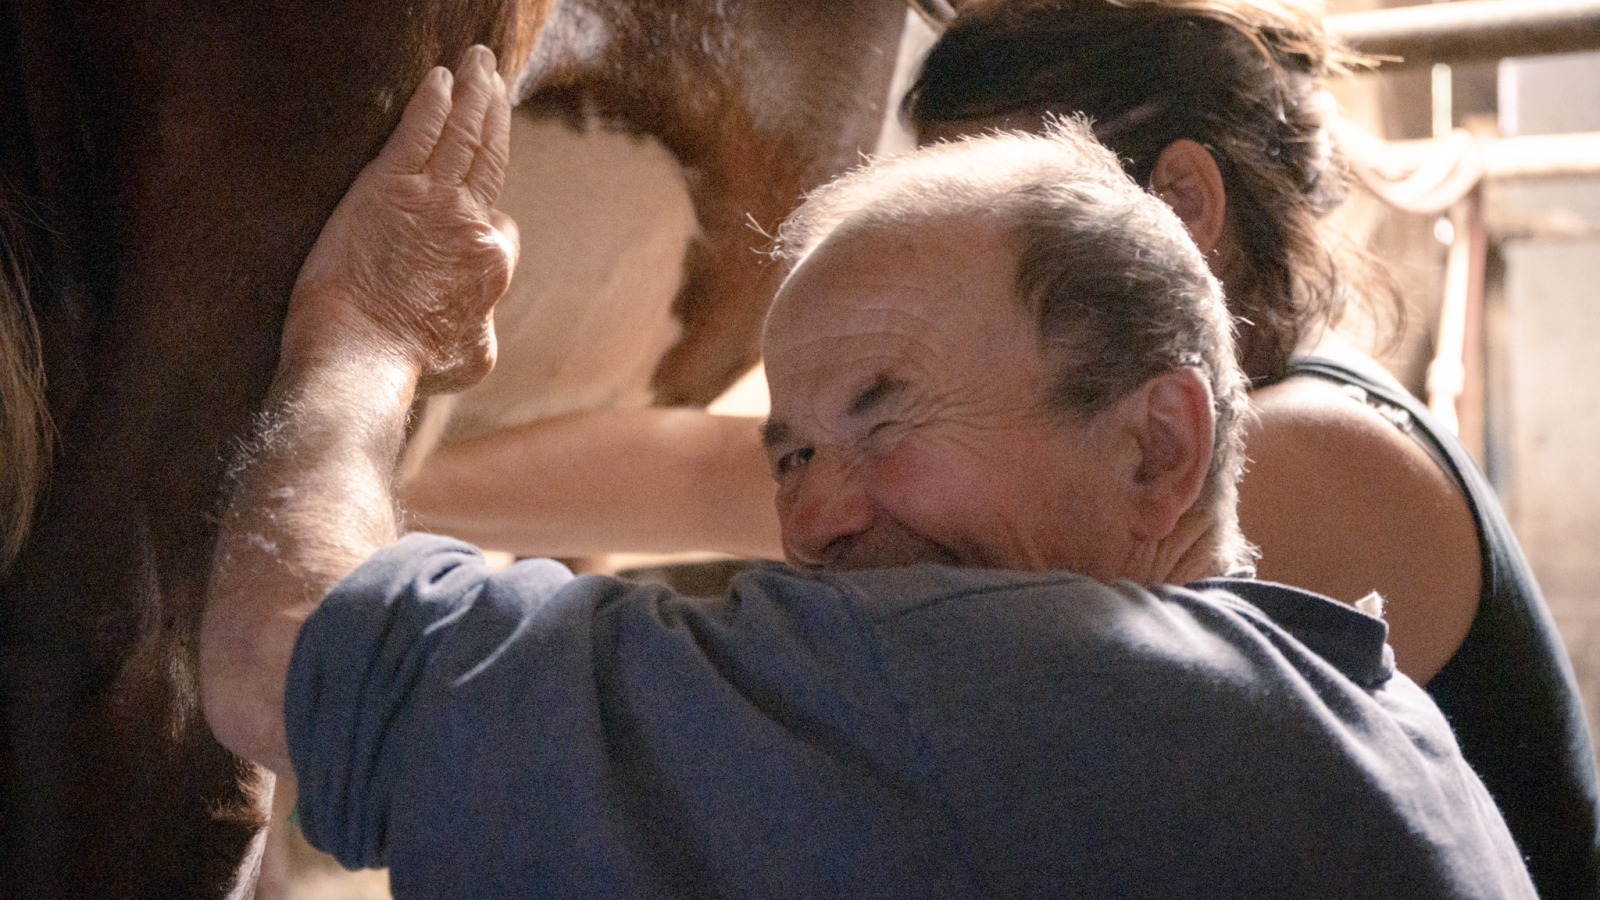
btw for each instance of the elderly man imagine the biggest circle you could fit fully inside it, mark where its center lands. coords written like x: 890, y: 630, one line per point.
x: 1004, y: 423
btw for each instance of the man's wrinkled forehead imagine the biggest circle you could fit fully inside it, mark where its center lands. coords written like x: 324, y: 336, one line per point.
x: 877, y: 307
x: 862, y: 403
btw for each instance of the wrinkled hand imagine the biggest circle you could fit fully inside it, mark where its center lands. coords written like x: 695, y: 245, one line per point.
x: 415, y: 256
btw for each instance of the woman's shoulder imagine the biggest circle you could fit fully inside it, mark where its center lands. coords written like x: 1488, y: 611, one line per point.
x: 1341, y: 424
x: 1313, y: 437
x: 1342, y: 500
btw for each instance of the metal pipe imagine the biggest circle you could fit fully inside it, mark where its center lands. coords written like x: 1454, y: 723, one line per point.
x: 1533, y: 156
x: 1463, y: 299
x: 1471, y: 30
x: 1543, y: 156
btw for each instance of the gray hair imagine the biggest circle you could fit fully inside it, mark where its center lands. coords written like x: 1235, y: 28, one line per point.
x: 1118, y: 290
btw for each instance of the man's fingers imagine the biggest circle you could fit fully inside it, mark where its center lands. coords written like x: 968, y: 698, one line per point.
x: 420, y: 125
x: 463, y: 130
x: 488, y: 173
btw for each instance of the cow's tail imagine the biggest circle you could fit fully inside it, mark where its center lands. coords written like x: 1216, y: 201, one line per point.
x: 25, y: 429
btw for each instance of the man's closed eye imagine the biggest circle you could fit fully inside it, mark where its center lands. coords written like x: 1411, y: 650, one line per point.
x: 792, y: 460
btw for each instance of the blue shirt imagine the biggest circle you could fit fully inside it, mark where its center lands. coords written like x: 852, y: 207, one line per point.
x: 921, y: 732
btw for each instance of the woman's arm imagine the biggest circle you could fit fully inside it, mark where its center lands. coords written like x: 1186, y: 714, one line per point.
x: 606, y: 481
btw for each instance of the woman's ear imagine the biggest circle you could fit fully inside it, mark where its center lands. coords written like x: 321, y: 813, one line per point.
x: 1173, y: 424
x: 1187, y: 178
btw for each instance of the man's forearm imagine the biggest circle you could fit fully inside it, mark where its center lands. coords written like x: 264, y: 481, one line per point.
x: 399, y: 288
x: 313, y: 498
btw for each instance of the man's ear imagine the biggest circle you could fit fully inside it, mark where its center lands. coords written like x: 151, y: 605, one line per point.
x: 1187, y: 178
x: 1173, y: 424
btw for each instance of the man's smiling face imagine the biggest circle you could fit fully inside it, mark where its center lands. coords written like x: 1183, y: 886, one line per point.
x: 909, y: 414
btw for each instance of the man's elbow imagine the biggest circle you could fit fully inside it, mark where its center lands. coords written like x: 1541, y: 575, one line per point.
x: 241, y: 693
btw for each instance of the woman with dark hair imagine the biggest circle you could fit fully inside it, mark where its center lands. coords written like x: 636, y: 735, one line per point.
x: 1218, y: 107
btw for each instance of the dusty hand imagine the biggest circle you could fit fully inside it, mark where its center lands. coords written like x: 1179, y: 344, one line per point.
x: 415, y: 256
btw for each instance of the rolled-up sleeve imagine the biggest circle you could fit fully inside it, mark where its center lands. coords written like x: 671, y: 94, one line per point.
x: 528, y: 733
x: 379, y: 639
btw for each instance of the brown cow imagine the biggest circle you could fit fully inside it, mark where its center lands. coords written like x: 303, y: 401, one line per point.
x: 164, y: 168
x: 177, y: 160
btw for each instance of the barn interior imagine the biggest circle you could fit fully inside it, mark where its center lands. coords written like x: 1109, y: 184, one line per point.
x: 1477, y: 142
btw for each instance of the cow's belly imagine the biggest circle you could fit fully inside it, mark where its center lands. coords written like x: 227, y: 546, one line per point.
x: 605, y: 221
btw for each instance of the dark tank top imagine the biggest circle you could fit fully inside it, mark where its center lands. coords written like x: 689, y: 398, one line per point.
x: 1509, y: 691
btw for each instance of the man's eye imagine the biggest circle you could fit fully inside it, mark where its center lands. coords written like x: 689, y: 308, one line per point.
x: 794, y: 459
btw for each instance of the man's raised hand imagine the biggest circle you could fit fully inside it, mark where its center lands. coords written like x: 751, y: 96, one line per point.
x: 415, y: 256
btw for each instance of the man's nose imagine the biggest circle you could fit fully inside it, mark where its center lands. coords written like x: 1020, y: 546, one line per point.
x: 826, y: 506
